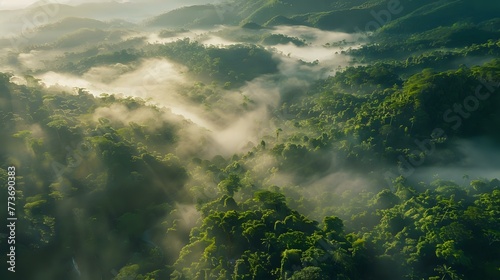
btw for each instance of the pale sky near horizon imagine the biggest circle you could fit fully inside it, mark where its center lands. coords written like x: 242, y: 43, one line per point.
x: 16, y: 4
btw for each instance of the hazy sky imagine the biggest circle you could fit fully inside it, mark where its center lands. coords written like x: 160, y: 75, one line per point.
x: 10, y: 4
x: 15, y: 4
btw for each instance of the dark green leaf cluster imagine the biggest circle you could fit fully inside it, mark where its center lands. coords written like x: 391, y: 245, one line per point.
x: 235, y: 64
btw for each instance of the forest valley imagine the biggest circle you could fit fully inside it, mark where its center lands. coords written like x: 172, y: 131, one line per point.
x: 266, y: 139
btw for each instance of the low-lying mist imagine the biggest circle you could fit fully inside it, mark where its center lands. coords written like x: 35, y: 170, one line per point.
x: 137, y: 139
x: 161, y: 82
x: 479, y: 159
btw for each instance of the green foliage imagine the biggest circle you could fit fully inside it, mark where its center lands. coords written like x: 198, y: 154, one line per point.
x: 101, y: 194
x: 190, y: 17
x: 235, y: 64
x: 280, y: 39
x: 83, y: 65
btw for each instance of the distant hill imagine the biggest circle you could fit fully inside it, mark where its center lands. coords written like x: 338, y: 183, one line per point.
x: 444, y: 13
x: 70, y: 24
x: 74, y: 29
x: 350, y: 16
x: 134, y: 11
x: 270, y: 9
x: 282, y: 20
x: 87, y: 36
x: 324, y: 14
x: 239, y: 12
x: 192, y: 16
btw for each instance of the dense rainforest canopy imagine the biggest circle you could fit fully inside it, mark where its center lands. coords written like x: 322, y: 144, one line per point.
x: 253, y: 140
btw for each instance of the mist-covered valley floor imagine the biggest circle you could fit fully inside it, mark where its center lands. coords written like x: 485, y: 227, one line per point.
x: 250, y: 139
